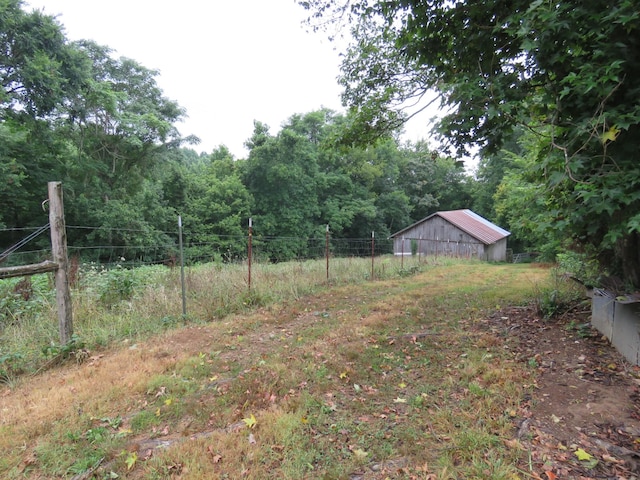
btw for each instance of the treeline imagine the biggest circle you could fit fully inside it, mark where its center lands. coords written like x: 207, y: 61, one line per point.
x: 71, y: 111
x: 292, y: 184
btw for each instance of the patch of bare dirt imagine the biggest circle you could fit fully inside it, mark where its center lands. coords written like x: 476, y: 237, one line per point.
x: 582, y: 419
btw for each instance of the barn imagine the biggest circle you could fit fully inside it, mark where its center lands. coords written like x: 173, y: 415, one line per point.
x: 459, y: 233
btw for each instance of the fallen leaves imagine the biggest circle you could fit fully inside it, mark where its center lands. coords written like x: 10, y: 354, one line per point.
x: 131, y: 460
x: 251, y: 421
x: 608, y: 458
x: 582, y: 454
x: 514, y: 444
x: 30, y: 459
x: 215, y: 456
x: 358, y: 453
x: 161, y: 392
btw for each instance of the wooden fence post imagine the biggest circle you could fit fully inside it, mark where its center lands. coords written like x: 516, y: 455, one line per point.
x: 59, y: 252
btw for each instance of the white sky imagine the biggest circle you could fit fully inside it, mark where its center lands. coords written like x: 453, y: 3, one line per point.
x: 227, y: 62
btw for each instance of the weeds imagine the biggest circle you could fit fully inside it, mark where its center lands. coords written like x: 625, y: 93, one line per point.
x: 580, y: 266
x: 24, y: 298
x: 63, y: 352
x: 559, y: 296
x: 11, y: 365
x: 583, y: 330
x: 409, y: 271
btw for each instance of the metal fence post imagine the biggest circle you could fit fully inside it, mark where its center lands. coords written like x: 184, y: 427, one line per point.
x: 326, y: 248
x: 184, y: 289
x: 250, y: 252
x: 373, y: 243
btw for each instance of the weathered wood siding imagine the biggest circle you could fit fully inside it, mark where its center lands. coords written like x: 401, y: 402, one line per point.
x: 496, y: 252
x: 436, y: 236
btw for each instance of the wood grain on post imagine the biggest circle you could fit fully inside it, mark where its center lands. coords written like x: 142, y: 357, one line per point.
x: 23, y: 270
x: 59, y: 251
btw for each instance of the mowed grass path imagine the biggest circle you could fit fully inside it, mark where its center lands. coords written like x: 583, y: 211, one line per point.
x: 384, y: 379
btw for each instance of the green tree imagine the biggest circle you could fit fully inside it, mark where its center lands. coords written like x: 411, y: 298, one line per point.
x: 377, y: 202
x: 433, y: 182
x: 216, y: 209
x: 70, y: 111
x: 517, y: 203
x: 39, y: 69
x: 118, y: 130
x: 564, y: 70
x: 489, y: 174
x: 120, y: 121
x: 12, y: 171
x: 361, y: 188
x: 129, y: 227
x: 281, y: 174
x: 345, y: 197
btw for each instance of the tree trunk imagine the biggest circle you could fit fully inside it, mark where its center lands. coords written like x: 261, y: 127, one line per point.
x: 630, y: 255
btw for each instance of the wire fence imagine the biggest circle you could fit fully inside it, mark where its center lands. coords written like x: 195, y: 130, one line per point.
x: 130, y: 247
x: 114, y: 264
x: 219, y: 248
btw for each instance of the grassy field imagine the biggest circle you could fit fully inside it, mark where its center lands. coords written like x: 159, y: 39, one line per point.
x: 295, y: 379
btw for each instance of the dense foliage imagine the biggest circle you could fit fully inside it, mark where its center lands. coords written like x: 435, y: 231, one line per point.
x: 560, y: 75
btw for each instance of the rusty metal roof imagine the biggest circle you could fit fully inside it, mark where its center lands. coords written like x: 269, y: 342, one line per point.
x: 475, y: 225
x: 469, y: 222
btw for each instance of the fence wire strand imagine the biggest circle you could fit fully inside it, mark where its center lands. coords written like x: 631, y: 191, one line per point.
x: 4, y: 255
x: 224, y: 248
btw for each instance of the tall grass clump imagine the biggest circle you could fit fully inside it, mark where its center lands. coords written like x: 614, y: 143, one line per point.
x: 562, y: 292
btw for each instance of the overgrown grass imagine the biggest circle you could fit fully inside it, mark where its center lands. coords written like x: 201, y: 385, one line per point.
x: 294, y: 379
x: 119, y: 304
x: 559, y: 295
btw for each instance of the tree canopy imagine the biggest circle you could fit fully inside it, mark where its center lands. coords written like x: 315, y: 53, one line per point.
x: 38, y: 67
x: 565, y: 71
